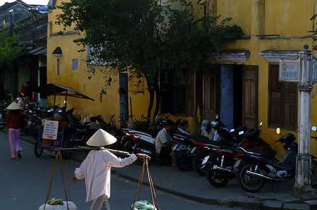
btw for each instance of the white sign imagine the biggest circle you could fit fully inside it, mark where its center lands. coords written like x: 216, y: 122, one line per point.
x: 50, y: 129
x: 289, y: 70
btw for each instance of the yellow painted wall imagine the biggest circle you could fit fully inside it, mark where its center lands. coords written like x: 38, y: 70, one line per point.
x: 239, y: 11
x: 288, y: 18
x: 291, y: 20
x: 78, y: 79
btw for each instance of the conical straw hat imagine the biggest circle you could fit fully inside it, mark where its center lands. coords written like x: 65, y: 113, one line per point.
x: 101, y: 138
x: 14, y: 106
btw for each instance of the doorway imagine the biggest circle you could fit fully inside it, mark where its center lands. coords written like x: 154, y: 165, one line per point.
x: 124, y: 100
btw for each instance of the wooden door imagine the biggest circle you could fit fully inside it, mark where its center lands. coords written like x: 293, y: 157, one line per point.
x: 250, y: 96
x: 209, y: 96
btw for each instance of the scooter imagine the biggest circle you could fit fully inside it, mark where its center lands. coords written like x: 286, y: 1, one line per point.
x: 133, y: 140
x: 224, y: 162
x: 257, y: 169
x: 225, y: 138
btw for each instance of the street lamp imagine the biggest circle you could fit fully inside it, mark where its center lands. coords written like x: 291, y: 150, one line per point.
x: 32, y: 18
x: 11, y: 23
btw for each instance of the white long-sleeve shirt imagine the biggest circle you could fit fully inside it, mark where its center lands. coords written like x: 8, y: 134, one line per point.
x: 161, y: 138
x: 95, y: 169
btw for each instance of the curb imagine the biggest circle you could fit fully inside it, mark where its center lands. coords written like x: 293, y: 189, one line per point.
x: 252, y: 204
x: 229, y: 203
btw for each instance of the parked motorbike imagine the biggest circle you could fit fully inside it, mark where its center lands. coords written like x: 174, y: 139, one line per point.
x: 225, y: 138
x: 134, y: 140
x: 224, y: 162
x: 32, y: 119
x: 257, y: 168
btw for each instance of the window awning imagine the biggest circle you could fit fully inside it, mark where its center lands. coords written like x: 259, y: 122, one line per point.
x: 277, y: 55
x: 231, y: 55
x: 37, y: 51
x: 53, y: 89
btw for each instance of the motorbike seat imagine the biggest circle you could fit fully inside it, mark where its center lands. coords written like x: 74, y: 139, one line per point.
x: 199, y: 138
x: 268, y: 153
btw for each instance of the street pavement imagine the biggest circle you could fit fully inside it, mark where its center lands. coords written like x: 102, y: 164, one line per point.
x: 24, y: 184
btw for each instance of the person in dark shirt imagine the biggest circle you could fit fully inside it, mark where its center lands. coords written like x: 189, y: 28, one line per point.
x: 14, y: 124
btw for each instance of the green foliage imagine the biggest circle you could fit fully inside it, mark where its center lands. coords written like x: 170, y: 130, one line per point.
x: 145, y: 36
x: 9, y: 49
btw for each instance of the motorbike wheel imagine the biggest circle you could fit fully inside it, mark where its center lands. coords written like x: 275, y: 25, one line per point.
x: 197, y: 160
x: 34, y: 131
x: 216, y: 179
x: 182, y: 162
x: 250, y: 183
x: 38, y: 151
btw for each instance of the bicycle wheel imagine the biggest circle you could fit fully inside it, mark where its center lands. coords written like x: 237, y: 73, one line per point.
x: 38, y: 151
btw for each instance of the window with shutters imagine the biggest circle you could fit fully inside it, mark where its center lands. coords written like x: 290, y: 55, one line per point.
x: 177, y: 98
x: 282, y: 101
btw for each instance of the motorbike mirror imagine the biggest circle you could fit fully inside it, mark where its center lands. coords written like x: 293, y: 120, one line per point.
x: 260, y: 124
x: 241, y: 132
x: 278, y: 131
x: 314, y: 128
x: 232, y: 130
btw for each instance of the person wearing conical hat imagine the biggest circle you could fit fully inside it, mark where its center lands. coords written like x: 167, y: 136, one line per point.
x: 14, y: 124
x: 95, y: 169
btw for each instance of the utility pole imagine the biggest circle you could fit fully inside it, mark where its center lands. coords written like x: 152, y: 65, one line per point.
x: 302, y: 187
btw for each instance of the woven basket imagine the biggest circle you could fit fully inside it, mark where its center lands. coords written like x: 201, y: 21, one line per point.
x: 71, y: 206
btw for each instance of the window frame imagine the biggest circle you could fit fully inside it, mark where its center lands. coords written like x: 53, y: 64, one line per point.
x: 75, y: 67
x: 58, y: 67
x: 283, y: 93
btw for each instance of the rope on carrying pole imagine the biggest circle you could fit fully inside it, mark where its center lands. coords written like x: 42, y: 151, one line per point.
x: 145, y: 166
x: 66, y: 191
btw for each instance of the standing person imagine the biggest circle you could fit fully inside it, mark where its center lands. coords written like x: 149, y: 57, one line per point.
x: 162, y: 142
x: 95, y: 169
x: 14, y: 124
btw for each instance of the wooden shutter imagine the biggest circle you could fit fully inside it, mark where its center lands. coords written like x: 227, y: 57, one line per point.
x: 209, y: 96
x: 250, y: 96
x: 282, y: 101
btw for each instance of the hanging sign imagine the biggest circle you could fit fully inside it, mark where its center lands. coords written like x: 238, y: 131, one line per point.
x: 289, y: 70
x: 50, y: 129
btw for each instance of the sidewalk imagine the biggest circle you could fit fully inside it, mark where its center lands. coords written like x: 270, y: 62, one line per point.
x: 190, y: 186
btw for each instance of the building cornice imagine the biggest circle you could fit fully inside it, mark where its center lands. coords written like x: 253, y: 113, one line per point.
x: 231, y: 55
x: 277, y: 55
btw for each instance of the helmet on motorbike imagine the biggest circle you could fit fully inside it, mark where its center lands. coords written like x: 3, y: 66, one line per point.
x: 205, y: 124
x: 288, y: 138
x: 252, y: 133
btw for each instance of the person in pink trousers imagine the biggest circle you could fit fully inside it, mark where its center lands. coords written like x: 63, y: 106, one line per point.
x: 14, y: 124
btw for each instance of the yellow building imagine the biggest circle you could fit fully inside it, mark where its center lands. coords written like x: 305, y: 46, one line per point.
x: 70, y: 69
x: 240, y: 85
x: 274, y: 29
